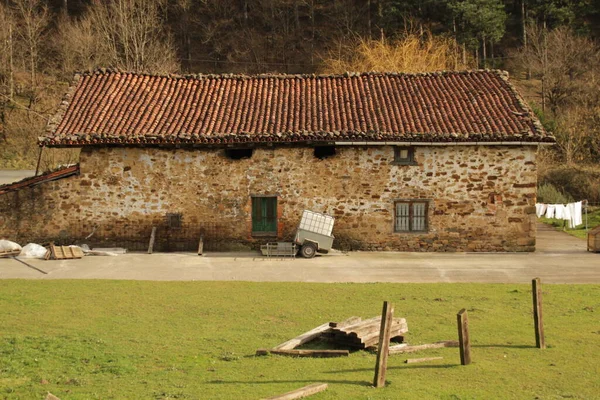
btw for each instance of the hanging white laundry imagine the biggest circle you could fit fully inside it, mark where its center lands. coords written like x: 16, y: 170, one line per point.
x: 540, y: 209
x: 571, y: 210
x: 550, y: 211
x: 559, y: 211
x: 567, y: 214
x: 576, y: 214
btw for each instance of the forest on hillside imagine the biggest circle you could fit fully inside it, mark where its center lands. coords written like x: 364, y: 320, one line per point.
x: 550, y: 47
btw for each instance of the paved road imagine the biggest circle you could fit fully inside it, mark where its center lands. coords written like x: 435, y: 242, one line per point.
x: 560, y: 259
x: 14, y: 175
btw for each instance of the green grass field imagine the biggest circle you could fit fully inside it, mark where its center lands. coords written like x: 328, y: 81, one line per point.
x: 580, y: 232
x: 196, y: 340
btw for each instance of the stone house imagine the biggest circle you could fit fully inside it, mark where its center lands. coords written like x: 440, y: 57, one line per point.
x: 414, y: 162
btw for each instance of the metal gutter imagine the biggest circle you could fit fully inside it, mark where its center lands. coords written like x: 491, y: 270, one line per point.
x: 444, y: 143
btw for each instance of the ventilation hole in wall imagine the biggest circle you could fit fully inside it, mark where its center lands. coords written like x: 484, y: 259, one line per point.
x: 238, y: 154
x: 174, y: 220
x: 322, y: 152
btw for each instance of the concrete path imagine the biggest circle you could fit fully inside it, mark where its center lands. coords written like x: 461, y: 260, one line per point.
x: 560, y: 258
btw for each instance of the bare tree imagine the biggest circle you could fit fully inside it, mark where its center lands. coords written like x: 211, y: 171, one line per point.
x: 127, y: 34
x: 6, y: 53
x: 34, y: 20
x: 565, y: 63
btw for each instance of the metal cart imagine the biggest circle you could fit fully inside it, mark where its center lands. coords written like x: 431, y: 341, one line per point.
x: 314, y: 235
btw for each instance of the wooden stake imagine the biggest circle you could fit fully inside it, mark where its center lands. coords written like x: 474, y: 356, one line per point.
x: 152, y: 237
x: 464, y: 342
x: 302, y: 392
x: 201, y: 245
x: 387, y: 315
x: 537, y: 313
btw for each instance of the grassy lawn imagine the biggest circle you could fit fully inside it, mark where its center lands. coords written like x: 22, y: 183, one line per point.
x: 580, y: 232
x: 196, y: 340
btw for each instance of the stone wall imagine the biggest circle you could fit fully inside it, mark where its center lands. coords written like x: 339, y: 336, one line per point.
x: 481, y: 197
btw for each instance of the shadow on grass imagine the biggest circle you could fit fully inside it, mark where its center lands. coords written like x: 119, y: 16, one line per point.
x: 510, y: 346
x: 343, y: 371
x: 358, y: 383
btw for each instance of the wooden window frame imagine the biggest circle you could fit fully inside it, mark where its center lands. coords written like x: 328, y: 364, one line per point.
x: 274, y: 233
x: 410, y: 160
x: 410, y: 203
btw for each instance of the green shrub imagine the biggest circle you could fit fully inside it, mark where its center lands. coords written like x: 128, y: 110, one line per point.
x: 548, y: 193
x: 578, y: 182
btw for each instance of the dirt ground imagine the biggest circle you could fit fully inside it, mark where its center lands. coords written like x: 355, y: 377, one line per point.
x: 560, y: 258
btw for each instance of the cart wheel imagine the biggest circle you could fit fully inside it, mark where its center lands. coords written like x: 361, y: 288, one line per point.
x: 308, y: 250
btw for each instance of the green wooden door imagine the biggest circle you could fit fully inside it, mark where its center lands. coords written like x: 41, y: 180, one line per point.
x: 264, y: 215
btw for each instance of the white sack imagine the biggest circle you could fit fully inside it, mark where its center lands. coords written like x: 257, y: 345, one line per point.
x: 33, y: 250
x: 7, y: 245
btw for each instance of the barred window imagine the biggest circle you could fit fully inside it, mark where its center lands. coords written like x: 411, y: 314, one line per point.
x: 411, y: 216
x: 404, y: 156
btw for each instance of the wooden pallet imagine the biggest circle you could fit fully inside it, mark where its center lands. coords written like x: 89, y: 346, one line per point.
x: 9, y: 253
x: 63, y: 252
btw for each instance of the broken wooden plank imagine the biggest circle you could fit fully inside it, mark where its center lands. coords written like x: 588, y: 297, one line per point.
x: 302, y: 392
x: 401, y: 348
x: 152, y: 238
x: 308, y: 336
x: 262, y: 352
x: 311, y: 353
x: 387, y: 315
x: 346, y: 322
x: 419, y: 360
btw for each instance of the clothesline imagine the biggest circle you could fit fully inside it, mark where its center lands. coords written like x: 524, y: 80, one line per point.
x: 572, y: 212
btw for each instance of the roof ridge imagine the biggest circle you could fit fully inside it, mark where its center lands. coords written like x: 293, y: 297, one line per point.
x: 347, y: 74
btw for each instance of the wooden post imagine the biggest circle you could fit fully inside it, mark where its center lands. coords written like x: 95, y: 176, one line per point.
x: 536, y: 284
x: 464, y: 343
x: 152, y: 237
x: 387, y: 316
x: 201, y: 245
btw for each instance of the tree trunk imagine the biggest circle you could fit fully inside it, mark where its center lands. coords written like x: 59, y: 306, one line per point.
x: 369, y: 31
x: 11, y: 81
x: 484, y: 53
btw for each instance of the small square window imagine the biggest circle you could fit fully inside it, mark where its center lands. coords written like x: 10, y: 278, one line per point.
x: 174, y: 220
x: 411, y: 216
x: 404, y: 156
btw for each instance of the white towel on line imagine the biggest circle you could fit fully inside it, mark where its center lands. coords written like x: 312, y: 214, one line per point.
x: 540, y: 209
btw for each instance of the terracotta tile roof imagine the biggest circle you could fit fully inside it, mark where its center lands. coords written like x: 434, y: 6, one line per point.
x: 108, y: 107
x: 36, y: 180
